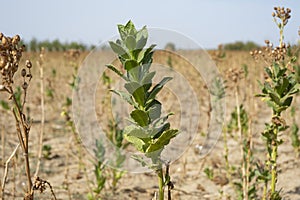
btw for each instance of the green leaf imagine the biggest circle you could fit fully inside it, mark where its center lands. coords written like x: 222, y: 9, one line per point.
x: 118, y: 49
x: 132, y: 86
x: 152, y: 94
x: 282, y: 87
x: 135, y: 131
x: 287, y: 102
x: 157, y: 131
x: 125, y: 96
x: 141, y: 38
x: 145, y: 54
x: 122, y: 31
x: 163, y: 140
x: 114, y: 69
x: 130, y: 42
x: 274, y: 97
x: 276, y: 68
x: 139, y: 96
x: 147, y: 80
x: 130, y: 64
x: 140, y: 117
x: 4, y: 105
x: 154, y: 110
x: 137, y: 142
x: 269, y: 72
x: 130, y: 28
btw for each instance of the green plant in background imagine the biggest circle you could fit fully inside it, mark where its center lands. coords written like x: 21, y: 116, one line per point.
x: 295, y: 133
x: 99, y: 173
x: 278, y: 90
x: 238, y: 127
x: 47, y: 151
x: 149, y: 132
x: 209, y: 173
x: 116, y: 136
x: 233, y: 123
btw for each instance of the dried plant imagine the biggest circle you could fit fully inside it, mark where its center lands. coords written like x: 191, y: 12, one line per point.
x: 10, y: 54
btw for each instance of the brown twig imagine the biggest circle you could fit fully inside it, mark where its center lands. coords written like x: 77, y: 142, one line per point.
x: 6, y: 170
x: 40, y: 150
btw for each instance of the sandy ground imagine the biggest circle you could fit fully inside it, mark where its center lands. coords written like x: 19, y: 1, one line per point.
x: 72, y: 180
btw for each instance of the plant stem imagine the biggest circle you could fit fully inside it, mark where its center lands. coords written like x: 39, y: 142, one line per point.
x: 41, y: 136
x: 240, y: 132
x: 274, y: 162
x: 160, y: 184
x: 264, y: 197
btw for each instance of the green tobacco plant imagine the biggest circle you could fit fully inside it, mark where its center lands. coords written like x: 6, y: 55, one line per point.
x: 278, y: 91
x: 149, y: 132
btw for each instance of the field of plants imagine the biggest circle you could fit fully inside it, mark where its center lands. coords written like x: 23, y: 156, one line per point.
x: 43, y: 156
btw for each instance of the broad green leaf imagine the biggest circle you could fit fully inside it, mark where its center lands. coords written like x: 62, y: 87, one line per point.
x: 147, y: 80
x: 287, y: 102
x: 152, y: 94
x: 130, y: 64
x: 141, y: 38
x: 132, y: 86
x: 155, y: 110
x: 157, y: 131
x: 136, y: 131
x: 130, y: 42
x: 147, y: 60
x: 274, y: 97
x: 161, y: 120
x: 140, y: 117
x: 145, y: 53
x: 268, y: 71
x: 137, y: 92
x: 139, y: 96
x: 163, y: 140
x: 281, y: 72
x: 127, y: 97
x: 276, y: 68
x: 118, y: 49
x: 267, y: 88
x: 137, y: 142
x: 281, y: 88
x: 122, y: 31
x: 130, y: 28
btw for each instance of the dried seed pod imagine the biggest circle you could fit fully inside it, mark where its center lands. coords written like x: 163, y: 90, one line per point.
x: 28, y: 64
x: 4, y: 41
x: 3, y: 61
x: 25, y: 85
x: 1, y: 35
x: 23, y: 72
x: 16, y: 39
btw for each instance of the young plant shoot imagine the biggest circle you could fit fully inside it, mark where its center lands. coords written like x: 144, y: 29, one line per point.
x: 149, y: 132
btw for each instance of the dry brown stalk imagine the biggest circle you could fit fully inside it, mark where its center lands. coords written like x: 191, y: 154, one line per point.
x: 41, y: 136
x: 6, y: 170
